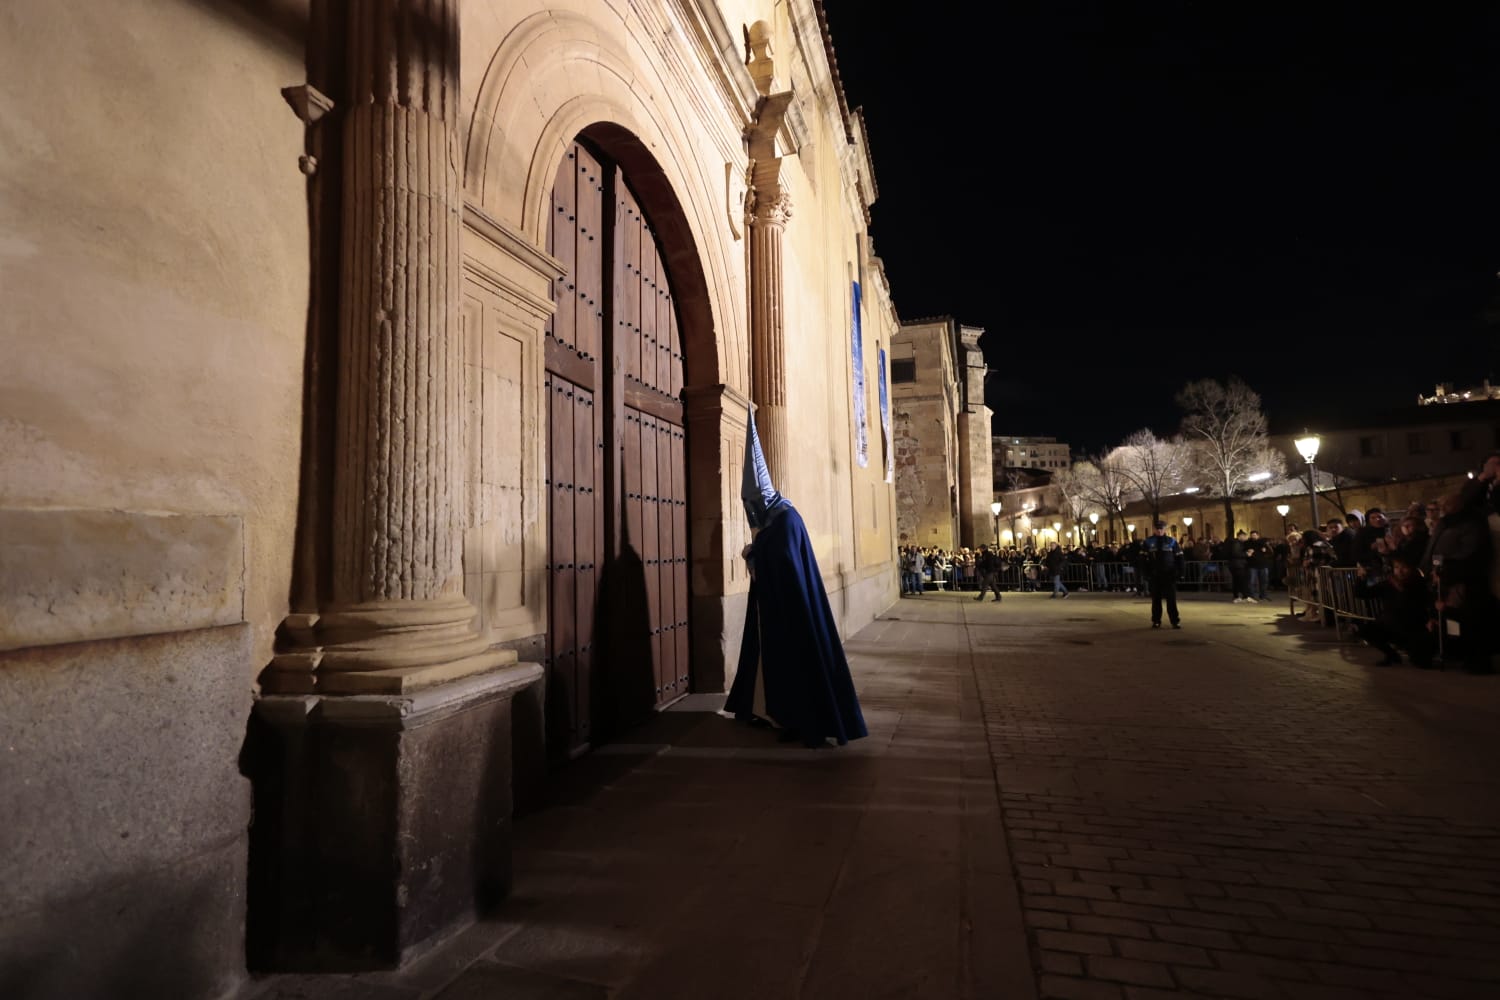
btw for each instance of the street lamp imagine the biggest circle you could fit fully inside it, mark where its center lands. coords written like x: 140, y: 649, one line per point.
x: 1094, y: 522
x: 1307, y: 447
x: 1283, y: 510
x: 1130, y: 528
x: 995, y: 510
x: 1187, y: 522
x: 1057, y: 531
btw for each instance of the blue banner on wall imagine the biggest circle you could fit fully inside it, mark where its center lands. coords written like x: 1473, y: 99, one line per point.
x: 885, y: 422
x: 861, y: 435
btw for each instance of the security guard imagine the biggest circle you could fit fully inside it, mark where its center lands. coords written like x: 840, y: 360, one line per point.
x: 1162, y: 557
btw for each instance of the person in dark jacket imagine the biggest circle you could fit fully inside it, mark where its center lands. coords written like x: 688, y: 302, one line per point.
x: 988, y: 568
x: 1161, y: 559
x: 1341, y: 537
x: 1407, y: 616
x: 1258, y: 561
x: 1459, y: 556
x: 1054, y: 561
x: 1239, y: 567
x: 1371, y: 540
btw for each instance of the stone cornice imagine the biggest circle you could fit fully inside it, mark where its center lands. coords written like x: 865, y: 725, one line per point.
x: 516, y: 247
x: 705, y: 401
x: 506, y: 239
x: 716, y: 49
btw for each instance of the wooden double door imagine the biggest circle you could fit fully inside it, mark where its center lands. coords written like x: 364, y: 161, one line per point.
x: 617, y: 486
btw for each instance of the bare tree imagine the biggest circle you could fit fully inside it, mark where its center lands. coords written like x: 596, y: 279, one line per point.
x: 1071, y: 486
x: 1226, y: 427
x: 1153, y: 466
x: 1106, y: 486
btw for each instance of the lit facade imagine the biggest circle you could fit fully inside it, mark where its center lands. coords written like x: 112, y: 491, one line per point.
x: 943, y: 471
x: 1018, y: 452
x: 335, y: 402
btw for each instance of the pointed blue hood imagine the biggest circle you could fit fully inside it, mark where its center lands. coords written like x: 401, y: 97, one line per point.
x: 762, y: 502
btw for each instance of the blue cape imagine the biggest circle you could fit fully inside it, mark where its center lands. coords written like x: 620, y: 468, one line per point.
x: 790, y: 631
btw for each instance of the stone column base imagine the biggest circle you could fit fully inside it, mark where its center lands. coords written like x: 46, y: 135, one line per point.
x: 382, y: 823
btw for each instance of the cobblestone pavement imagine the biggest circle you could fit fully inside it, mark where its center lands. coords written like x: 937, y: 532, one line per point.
x: 1054, y: 800
x: 1245, y: 808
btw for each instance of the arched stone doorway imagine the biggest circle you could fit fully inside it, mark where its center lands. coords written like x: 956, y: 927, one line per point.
x: 616, y: 451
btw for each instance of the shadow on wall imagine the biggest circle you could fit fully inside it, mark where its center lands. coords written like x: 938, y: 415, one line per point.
x: 624, y: 681
x: 282, y: 23
x: 146, y: 936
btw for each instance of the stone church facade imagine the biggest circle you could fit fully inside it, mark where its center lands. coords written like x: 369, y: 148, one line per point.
x: 942, y: 429
x: 376, y: 390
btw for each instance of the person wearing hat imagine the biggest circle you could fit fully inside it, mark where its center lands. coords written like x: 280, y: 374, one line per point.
x: 792, y: 670
x: 1162, y: 557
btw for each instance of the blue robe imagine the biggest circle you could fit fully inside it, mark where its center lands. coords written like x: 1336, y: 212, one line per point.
x: 790, y: 632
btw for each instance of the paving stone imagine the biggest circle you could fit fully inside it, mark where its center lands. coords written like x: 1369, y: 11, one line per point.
x: 487, y: 980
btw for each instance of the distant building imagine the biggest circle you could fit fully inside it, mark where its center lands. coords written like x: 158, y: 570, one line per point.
x: 1445, y: 393
x: 1408, y: 443
x: 1014, y: 451
x: 941, y: 428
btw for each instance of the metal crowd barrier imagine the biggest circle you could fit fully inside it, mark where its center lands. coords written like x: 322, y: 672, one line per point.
x: 1203, y: 576
x: 1330, y: 591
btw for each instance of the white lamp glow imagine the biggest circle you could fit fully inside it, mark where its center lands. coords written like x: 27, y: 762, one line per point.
x: 1283, y: 509
x: 1307, y: 447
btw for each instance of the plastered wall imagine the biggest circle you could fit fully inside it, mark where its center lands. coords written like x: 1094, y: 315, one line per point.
x: 153, y: 270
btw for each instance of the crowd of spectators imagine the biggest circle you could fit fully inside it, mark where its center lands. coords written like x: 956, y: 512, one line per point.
x: 1429, y: 578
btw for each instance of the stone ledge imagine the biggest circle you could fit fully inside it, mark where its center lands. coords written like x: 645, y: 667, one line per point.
x: 77, y: 575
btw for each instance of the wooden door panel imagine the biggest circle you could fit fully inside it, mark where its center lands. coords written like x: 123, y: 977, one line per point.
x: 586, y: 548
x: 666, y: 550
x: 563, y: 244
x: 680, y: 554
x: 628, y: 323
x: 562, y: 638
x: 590, y: 260
x: 624, y: 390
x: 651, y: 543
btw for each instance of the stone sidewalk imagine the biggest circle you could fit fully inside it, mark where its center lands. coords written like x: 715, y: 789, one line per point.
x: 1055, y: 800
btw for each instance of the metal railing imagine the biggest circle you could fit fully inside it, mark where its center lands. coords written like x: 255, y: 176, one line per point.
x: 1210, y: 576
x: 1329, y: 593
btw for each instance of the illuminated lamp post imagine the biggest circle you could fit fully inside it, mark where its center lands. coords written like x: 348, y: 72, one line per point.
x: 1283, y: 510
x: 1057, y: 532
x: 1187, y: 522
x: 1094, y: 521
x: 1307, y: 447
x: 995, y: 510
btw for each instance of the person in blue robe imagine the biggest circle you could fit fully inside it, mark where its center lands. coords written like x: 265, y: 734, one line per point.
x: 792, y: 670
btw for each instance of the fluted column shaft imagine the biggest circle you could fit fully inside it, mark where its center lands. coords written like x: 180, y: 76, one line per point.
x: 767, y: 226
x: 397, y: 616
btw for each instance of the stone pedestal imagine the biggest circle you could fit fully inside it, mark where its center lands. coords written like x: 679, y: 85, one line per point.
x: 382, y: 822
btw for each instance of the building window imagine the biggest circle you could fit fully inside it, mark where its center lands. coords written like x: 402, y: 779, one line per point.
x: 1460, y: 440
x: 1416, y: 443
x: 903, y: 370
x: 1370, y: 447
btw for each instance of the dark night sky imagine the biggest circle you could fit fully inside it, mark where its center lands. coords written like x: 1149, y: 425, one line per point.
x: 1128, y: 196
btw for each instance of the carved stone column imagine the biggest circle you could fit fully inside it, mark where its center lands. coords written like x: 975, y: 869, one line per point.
x: 769, y: 208
x: 382, y: 745
x: 396, y: 618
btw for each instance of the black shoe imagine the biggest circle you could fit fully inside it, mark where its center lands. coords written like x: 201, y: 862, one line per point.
x: 997, y: 598
x: 1065, y: 593
x: 1156, y: 624
x: 1177, y: 624
x: 979, y: 598
x: 1390, y: 660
